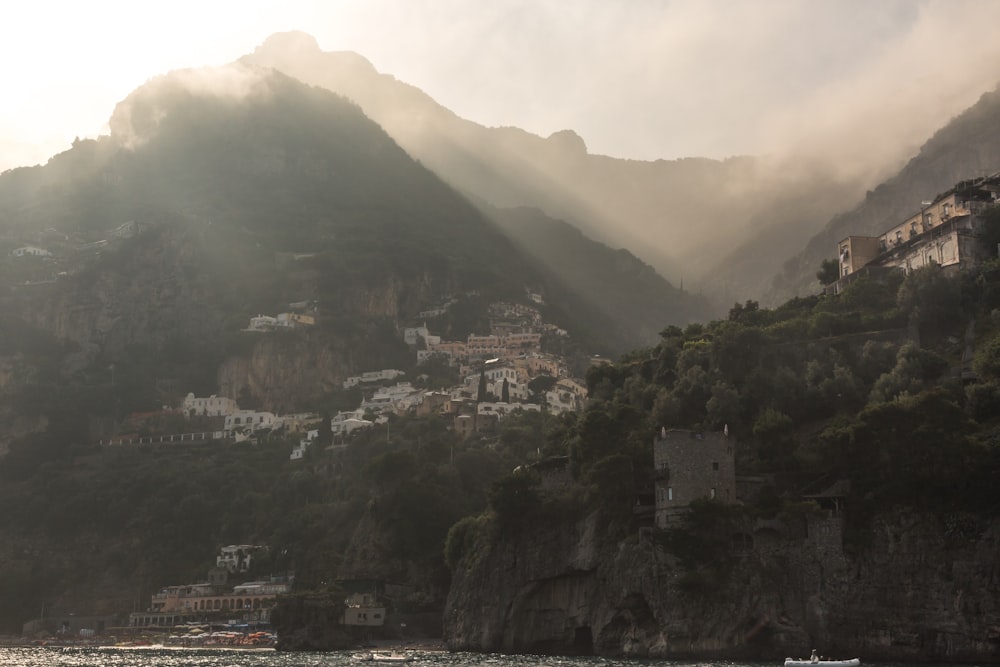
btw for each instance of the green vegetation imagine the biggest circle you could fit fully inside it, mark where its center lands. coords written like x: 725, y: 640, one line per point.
x: 816, y: 390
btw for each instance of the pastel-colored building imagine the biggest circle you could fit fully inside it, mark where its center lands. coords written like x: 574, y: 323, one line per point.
x: 943, y: 233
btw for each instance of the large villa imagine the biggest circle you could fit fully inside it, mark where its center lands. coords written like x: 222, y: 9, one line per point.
x: 942, y: 232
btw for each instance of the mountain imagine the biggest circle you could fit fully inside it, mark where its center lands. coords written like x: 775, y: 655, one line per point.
x: 221, y: 194
x: 965, y: 148
x: 626, y: 296
x: 683, y: 217
x: 243, y: 190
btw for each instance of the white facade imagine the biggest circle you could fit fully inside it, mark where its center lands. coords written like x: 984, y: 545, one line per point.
x: 250, y: 420
x: 398, y: 398
x: 30, y: 251
x: 261, y: 588
x: 262, y: 323
x: 212, y: 406
x: 299, y: 450
x: 384, y: 375
x: 560, y: 400
x: 349, y: 425
x: 516, y: 391
x: 412, y: 335
x: 235, y: 557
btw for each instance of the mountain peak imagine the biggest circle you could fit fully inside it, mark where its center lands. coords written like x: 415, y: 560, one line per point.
x: 568, y: 141
x: 296, y: 41
x: 295, y: 46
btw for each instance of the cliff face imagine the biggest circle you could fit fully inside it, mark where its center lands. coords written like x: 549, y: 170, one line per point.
x: 286, y: 371
x: 926, y: 588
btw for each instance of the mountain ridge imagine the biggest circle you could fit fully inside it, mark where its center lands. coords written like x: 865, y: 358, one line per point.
x: 669, y: 213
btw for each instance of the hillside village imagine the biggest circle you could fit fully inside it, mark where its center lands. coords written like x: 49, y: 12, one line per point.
x: 501, y: 372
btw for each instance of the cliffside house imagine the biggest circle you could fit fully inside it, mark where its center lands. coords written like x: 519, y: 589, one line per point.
x: 690, y: 465
x: 943, y: 232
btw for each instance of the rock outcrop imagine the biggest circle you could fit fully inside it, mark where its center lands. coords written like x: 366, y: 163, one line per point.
x: 925, y: 588
x: 311, y: 622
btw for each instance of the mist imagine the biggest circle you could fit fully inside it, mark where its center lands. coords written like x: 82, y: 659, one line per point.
x: 676, y: 130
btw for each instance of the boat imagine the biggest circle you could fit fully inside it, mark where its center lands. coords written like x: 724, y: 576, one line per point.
x: 394, y: 656
x: 821, y: 662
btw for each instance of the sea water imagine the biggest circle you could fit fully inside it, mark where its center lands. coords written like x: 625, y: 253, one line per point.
x: 151, y: 656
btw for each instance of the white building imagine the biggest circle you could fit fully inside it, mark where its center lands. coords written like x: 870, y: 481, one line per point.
x: 30, y: 251
x: 235, y: 557
x: 250, y: 420
x: 363, y: 609
x: 262, y: 323
x: 349, y: 425
x: 299, y: 450
x: 516, y: 391
x: 398, y: 398
x: 262, y: 588
x: 412, y: 335
x: 212, y: 406
x: 384, y: 375
x: 560, y: 400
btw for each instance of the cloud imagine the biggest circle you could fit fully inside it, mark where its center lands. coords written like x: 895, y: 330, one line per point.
x: 137, y: 118
x: 647, y: 80
x: 876, y: 118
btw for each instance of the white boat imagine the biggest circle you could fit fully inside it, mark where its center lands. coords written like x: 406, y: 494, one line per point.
x: 821, y: 662
x: 395, y: 656
x: 376, y: 656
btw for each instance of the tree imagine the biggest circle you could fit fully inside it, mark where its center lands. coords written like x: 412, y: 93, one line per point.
x: 541, y: 384
x: 724, y: 406
x: 932, y: 299
x: 325, y: 435
x: 481, y: 391
x: 774, y: 431
x: 505, y: 392
x: 515, y: 498
x: 987, y: 360
x: 829, y: 271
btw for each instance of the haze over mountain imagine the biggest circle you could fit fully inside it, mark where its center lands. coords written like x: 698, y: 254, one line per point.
x: 967, y: 147
x: 689, y: 218
x: 237, y: 169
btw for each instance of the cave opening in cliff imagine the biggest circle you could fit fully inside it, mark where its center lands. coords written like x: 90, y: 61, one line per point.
x: 583, y: 641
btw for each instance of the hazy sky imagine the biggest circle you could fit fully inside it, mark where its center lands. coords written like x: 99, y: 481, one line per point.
x: 643, y: 79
